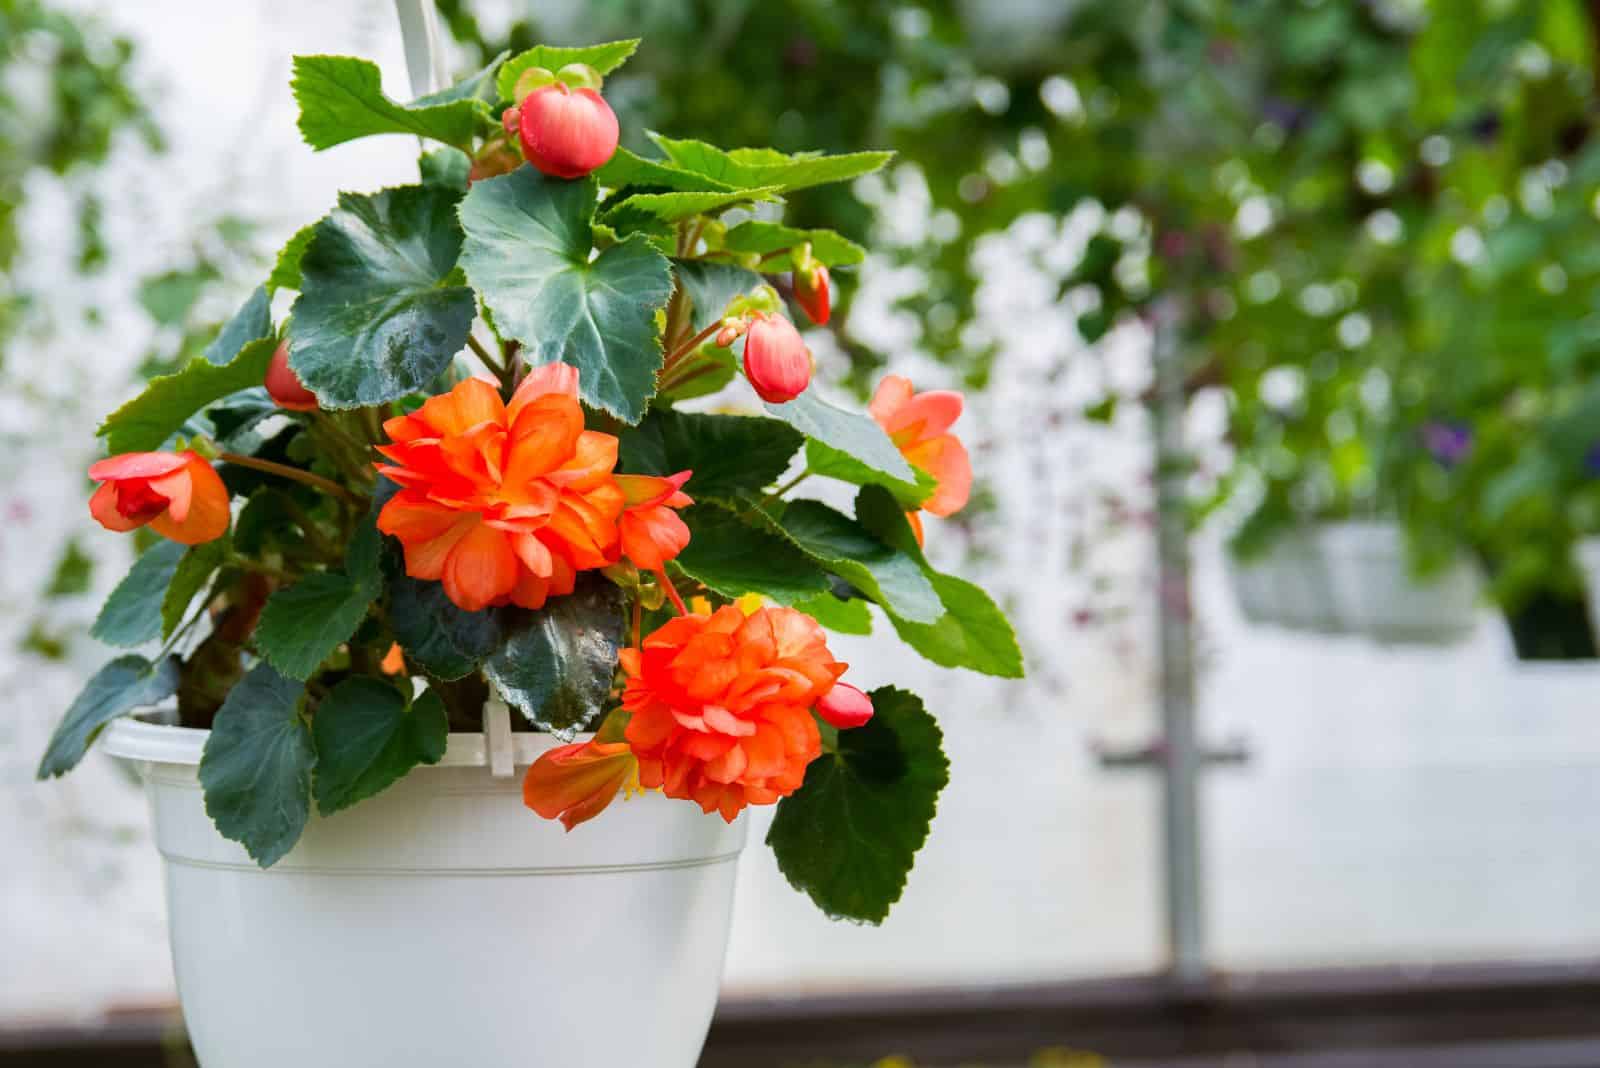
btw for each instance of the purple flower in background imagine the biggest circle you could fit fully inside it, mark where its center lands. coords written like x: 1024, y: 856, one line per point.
x: 1449, y: 443
x: 1591, y: 460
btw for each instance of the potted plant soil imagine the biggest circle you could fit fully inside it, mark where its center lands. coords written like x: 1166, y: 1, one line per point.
x: 440, y: 564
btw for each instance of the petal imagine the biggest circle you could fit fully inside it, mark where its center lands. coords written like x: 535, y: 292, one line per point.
x: 534, y: 554
x: 647, y: 491
x: 945, y: 458
x: 543, y: 437
x: 481, y: 568
x: 103, y: 506
x: 137, y: 465
x: 591, y: 464
x: 927, y: 415
x: 470, y: 403
x: 551, y: 378
x: 652, y: 537
x: 890, y: 396
x: 207, y: 515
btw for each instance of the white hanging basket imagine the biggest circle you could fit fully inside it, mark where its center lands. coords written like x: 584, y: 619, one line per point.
x: 442, y: 922
x: 1352, y: 577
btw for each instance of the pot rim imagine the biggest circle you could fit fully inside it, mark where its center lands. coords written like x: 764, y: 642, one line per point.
x: 137, y: 738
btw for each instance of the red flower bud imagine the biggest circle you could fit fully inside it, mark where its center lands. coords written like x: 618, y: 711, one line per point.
x: 776, y: 360
x: 811, y: 292
x: 845, y: 707
x: 285, y: 386
x: 567, y: 132
x: 727, y: 336
x: 511, y: 121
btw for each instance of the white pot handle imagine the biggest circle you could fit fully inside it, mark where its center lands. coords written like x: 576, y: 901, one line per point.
x: 497, y: 738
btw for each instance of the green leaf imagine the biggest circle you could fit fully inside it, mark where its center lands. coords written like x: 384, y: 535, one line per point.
x: 972, y: 633
x: 250, y: 323
x: 127, y: 683
x: 730, y: 455
x: 341, y: 99
x: 286, y: 269
x: 448, y: 167
x: 146, y: 422
x: 256, y: 768
x: 132, y: 614
x: 73, y: 573
x: 604, y: 58
x: 170, y: 296
x: 367, y: 739
x: 762, y: 238
x: 557, y: 664
x: 194, y: 570
x: 842, y: 616
x: 303, y: 624
x: 744, y: 169
x: 893, y: 578
x: 849, y: 836
x: 852, y: 433
x: 527, y: 252
x: 445, y: 641
x: 626, y: 169
x: 734, y: 558
x: 829, y: 462
x: 675, y: 207
x: 711, y: 287
x: 377, y: 317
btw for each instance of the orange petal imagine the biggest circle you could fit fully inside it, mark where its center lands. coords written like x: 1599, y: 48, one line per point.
x: 470, y: 403
x: 544, y: 435
x: 575, y: 783
x: 542, y: 381
x: 926, y: 415
x: 945, y: 458
x: 652, y: 536
x: 591, y: 464
x: 207, y: 513
x: 645, y: 491
x: 103, y: 506
x: 481, y: 569
x: 890, y: 396
x: 137, y: 465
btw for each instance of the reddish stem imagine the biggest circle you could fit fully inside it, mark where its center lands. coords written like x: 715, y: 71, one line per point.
x: 672, y: 592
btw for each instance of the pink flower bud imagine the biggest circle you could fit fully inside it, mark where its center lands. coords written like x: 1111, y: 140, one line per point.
x: 811, y: 292
x: 285, y: 386
x: 511, y: 121
x: 776, y: 360
x: 567, y: 132
x: 845, y: 707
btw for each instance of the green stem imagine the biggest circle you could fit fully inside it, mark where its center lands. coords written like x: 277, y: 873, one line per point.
x: 307, y: 525
x: 294, y: 474
x: 501, y: 371
x: 689, y: 346
x: 792, y: 483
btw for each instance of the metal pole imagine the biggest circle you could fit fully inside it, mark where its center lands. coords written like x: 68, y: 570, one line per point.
x: 1183, y: 758
x: 419, y: 30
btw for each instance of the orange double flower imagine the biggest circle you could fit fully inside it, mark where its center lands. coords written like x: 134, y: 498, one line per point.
x: 505, y: 502
x: 919, y: 425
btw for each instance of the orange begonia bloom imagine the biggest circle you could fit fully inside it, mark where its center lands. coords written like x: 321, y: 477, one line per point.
x: 721, y: 705
x: 651, y: 531
x: 179, y: 495
x: 919, y: 425
x: 574, y: 783
x: 503, y: 502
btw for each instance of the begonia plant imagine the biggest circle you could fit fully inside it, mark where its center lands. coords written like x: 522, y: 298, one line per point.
x: 455, y: 469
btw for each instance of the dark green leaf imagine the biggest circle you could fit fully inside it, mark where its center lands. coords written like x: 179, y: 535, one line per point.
x: 256, y: 767
x: 250, y: 323
x: 844, y: 617
x: 849, y: 836
x: 765, y: 169
x: 341, y: 98
x: 132, y: 614
x: 234, y: 417
x: 734, y: 558
x: 711, y: 286
x: 303, y: 624
x: 193, y: 572
x: 557, y: 664
x: 376, y: 318
x: 125, y: 684
x: 762, y: 238
x: 448, y: 167
x: 286, y: 268
x: 604, y: 58
x: 146, y: 422
x: 892, y: 578
x: 852, y: 433
x: 445, y: 641
x: 367, y: 739
x: 527, y: 252
x: 730, y: 455
x: 829, y: 462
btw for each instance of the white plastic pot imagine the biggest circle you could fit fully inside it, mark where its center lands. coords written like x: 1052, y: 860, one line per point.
x: 1287, y: 586
x: 1375, y: 593
x: 443, y: 923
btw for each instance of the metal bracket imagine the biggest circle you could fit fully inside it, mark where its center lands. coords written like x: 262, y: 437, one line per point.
x: 1234, y: 752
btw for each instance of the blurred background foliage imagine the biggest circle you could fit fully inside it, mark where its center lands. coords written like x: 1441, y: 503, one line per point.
x: 1374, y: 218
